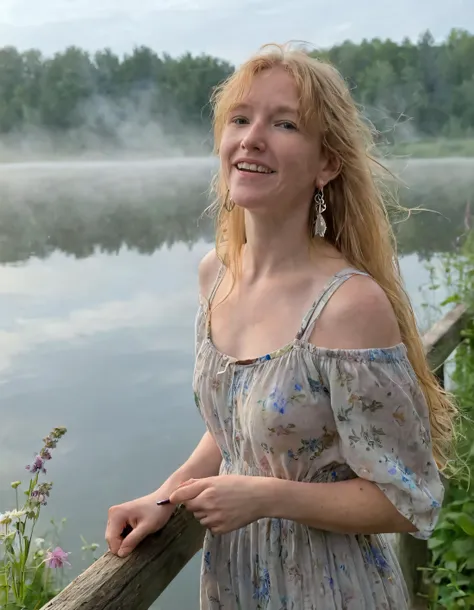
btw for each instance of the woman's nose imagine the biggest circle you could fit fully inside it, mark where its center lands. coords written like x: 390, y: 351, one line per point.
x: 254, y: 138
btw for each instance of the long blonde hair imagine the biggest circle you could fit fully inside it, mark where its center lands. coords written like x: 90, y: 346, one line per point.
x: 357, y: 219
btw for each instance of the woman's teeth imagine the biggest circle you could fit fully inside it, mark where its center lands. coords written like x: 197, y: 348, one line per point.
x: 253, y: 167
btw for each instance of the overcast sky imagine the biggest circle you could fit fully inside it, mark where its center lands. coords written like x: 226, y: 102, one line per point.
x: 231, y: 29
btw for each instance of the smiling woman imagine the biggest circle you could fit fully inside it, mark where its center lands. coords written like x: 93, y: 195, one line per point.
x: 325, y: 428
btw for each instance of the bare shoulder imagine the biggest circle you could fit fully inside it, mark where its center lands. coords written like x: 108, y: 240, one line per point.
x: 358, y: 316
x: 208, y: 270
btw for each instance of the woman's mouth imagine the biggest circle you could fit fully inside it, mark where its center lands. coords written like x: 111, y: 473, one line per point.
x: 254, y: 168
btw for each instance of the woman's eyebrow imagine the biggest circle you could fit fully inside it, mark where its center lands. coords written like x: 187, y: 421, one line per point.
x: 280, y: 109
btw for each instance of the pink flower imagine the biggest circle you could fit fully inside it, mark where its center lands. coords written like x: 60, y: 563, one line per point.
x: 37, y: 466
x: 57, y: 558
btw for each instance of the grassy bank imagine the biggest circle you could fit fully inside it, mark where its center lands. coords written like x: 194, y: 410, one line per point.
x: 433, y: 149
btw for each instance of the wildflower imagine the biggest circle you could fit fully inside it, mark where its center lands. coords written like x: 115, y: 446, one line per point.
x: 40, y: 493
x: 51, y: 440
x: 15, y: 484
x: 16, y: 515
x: 39, y: 542
x: 57, y: 558
x: 45, y: 454
x: 5, y: 518
x: 11, y: 515
x: 37, y: 465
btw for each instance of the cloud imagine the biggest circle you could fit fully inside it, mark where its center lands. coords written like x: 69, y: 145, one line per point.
x: 94, y: 296
x: 141, y: 311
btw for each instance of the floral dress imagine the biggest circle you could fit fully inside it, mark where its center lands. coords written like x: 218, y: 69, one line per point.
x: 317, y: 415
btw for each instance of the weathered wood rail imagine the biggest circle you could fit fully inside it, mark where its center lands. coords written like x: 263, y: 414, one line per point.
x: 137, y: 581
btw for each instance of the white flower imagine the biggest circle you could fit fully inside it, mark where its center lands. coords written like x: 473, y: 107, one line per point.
x: 11, y: 515
x: 5, y: 518
x: 16, y: 515
x: 39, y: 542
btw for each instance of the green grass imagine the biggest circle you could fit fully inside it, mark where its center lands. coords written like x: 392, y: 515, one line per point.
x: 433, y: 149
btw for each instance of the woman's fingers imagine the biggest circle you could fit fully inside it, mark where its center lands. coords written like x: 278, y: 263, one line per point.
x: 115, y: 526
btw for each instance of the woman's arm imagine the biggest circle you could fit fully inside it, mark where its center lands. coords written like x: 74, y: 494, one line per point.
x: 346, y: 507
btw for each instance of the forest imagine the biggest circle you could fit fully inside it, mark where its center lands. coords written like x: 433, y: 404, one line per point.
x: 409, y: 90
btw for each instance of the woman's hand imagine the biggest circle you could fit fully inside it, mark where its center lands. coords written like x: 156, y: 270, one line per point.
x: 223, y: 503
x: 142, y: 516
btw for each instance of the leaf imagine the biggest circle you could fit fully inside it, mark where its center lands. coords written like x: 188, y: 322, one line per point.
x: 450, y: 555
x: 466, y: 523
x: 468, y: 507
x: 463, y: 548
x: 435, y: 543
x: 455, y: 298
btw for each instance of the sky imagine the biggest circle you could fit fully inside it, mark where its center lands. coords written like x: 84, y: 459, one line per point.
x: 230, y: 29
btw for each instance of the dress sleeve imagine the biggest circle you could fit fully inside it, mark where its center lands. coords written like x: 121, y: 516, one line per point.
x: 382, y: 420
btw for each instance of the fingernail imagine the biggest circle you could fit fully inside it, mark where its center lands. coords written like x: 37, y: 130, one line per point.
x: 161, y: 502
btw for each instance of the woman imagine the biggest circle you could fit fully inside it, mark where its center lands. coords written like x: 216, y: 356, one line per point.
x: 325, y: 427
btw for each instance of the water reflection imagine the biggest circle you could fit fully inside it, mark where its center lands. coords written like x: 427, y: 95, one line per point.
x: 80, y: 208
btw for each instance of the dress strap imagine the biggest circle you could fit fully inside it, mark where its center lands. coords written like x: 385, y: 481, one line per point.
x: 317, y: 307
x: 217, y: 281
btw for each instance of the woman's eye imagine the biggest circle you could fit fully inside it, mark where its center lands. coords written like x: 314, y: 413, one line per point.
x: 287, y: 125
x: 239, y: 120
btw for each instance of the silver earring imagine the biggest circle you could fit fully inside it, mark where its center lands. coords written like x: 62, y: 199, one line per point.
x: 229, y: 203
x: 319, y: 228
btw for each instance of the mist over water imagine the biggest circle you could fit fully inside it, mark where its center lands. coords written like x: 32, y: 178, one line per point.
x: 126, y: 128
x: 79, y: 205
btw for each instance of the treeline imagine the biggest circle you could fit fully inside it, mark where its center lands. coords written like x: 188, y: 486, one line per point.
x: 422, y: 87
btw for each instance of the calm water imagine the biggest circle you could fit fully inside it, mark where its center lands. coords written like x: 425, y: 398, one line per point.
x: 98, y: 290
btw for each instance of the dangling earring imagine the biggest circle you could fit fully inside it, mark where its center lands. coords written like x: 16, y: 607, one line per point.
x: 229, y: 203
x: 319, y: 228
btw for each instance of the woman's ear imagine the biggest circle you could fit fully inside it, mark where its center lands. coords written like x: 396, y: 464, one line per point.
x: 330, y: 169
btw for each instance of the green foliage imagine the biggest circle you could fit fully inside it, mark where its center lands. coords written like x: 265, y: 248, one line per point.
x: 410, y: 91
x: 73, y: 89
x: 425, y: 83
x: 435, y: 147
x: 450, y: 575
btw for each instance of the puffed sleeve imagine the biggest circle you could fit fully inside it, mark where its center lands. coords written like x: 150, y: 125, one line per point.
x: 382, y: 420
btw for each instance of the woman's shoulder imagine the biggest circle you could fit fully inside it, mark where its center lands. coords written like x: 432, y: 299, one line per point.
x: 359, y: 315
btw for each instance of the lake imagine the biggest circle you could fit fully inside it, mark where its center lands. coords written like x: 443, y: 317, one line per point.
x: 98, y: 282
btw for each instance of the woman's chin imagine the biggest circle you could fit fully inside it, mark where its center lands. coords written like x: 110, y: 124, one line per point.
x: 253, y: 203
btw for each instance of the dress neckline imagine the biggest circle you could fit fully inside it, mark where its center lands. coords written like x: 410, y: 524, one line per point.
x: 391, y: 353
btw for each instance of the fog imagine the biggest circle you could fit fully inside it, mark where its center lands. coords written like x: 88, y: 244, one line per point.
x: 126, y: 128
x: 78, y: 206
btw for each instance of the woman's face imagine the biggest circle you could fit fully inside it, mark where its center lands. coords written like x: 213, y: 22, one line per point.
x: 267, y: 158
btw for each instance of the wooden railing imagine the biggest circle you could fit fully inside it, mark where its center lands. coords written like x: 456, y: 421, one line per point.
x: 137, y: 581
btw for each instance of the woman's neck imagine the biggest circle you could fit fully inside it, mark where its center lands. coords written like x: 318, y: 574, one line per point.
x: 276, y: 245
